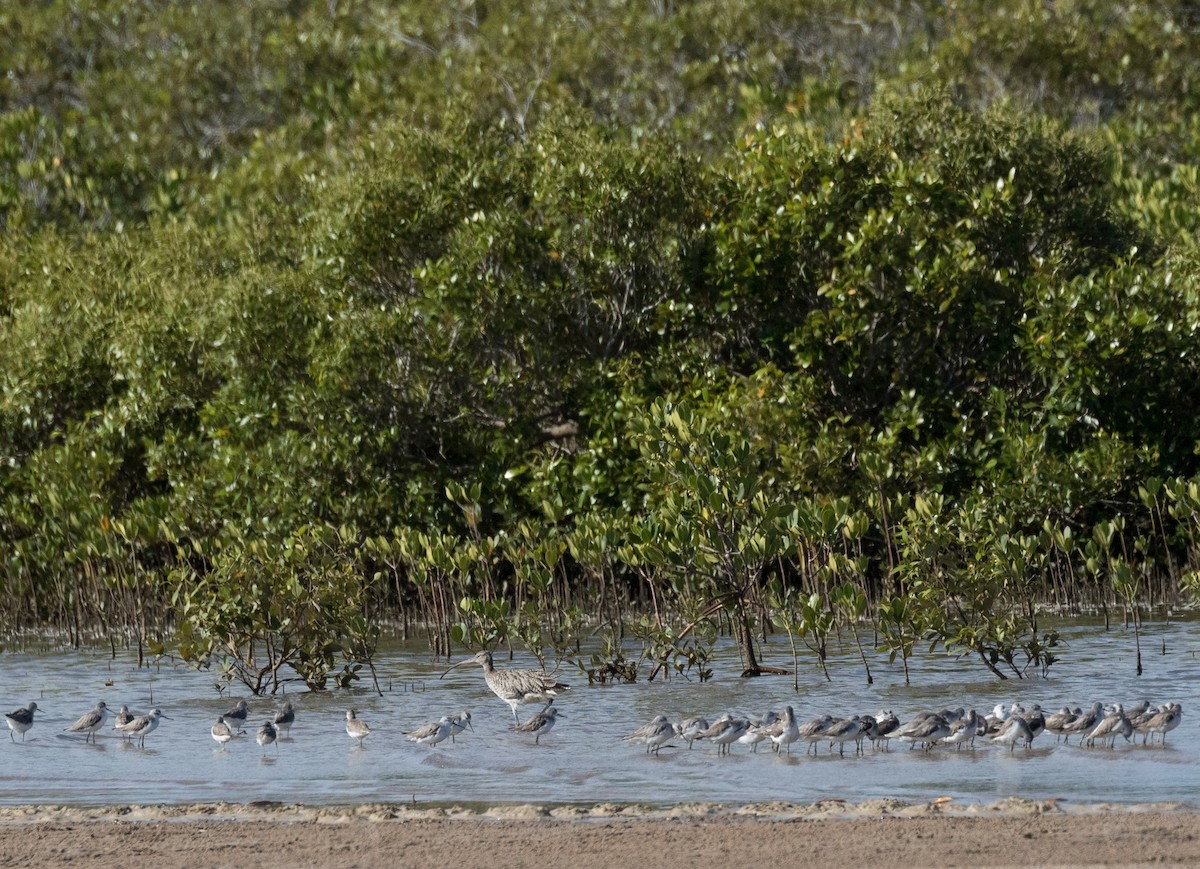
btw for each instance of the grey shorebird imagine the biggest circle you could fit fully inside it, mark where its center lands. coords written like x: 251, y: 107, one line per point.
x: 356, y: 728
x: 460, y: 722
x: 515, y: 687
x: 432, y: 734
x: 284, y: 720
x: 124, y: 716
x: 266, y: 735
x: 236, y: 716
x: 540, y: 724
x: 690, y: 728
x: 1110, y: 727
x: 1162, y: 722
x: 654, y: 735
x: 785, y: 731
x: 90, y: 722
x: 221, y: 731
x: 1015, y: 729
x: 20, y: 720
x: 142, y: 726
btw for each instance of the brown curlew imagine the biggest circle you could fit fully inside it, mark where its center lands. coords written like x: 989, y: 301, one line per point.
x: 515, y: 687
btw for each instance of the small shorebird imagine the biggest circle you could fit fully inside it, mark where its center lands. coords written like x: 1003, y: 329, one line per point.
x: 432, y: 734
x: 20, y: 720
x: 885, y: 727
x: 284, y: 720
x: 785, y: 731
x: 1111, y: 727
x: 1057, y: 722
x: 927, y: 729
x: 758, y: 731
x: 540, y: 724
x: 236, y: 716
x: 845, y: 730
x: 356, y: 728
x: 142, y: 726
x: 460, y: 722
x: 813, y: 731
x: 726, y: 731
x: 965, y: 730
x: 1161, y: 721
x: 1036, y: 719
x: 1014, y: 730
x: 1085, y: 722
x: 90, y: 722
x: 654, y: 735
x: 691, y: 728
x: 221, y: 731
x: 124, y: 716
x: 266, y: 734
x: 515, y: 687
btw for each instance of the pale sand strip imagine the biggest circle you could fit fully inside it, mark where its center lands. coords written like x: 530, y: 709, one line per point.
x: 875, y: 834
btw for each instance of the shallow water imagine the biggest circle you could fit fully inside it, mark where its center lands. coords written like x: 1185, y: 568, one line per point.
x: 584, y: 759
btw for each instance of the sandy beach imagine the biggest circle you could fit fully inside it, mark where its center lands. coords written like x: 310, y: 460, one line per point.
x: 877, y: 834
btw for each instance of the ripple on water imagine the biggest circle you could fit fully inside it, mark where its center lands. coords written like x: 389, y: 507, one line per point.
x: 585, y: 760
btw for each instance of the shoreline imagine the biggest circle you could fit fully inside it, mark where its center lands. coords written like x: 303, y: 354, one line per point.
x: 877, y: 833
x: 270, y: 811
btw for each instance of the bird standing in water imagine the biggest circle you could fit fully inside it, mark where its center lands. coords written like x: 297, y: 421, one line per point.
x: 540, y: 724
x: 515, y: 687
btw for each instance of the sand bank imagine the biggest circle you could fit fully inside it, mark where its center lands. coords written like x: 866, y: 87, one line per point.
x: 878, y: 834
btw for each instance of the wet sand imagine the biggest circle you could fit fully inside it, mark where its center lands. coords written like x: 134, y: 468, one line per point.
x: 878, y: 834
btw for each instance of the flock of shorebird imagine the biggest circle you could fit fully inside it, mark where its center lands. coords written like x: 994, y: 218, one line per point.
x: 1005, y: 725
x: 515, y: 687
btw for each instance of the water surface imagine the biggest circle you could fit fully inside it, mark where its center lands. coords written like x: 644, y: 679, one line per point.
x: 585, y: 760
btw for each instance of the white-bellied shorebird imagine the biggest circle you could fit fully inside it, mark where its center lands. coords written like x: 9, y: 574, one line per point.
x: 1111, y: 727
x: 1015, y: 729
x: 964, y: 730
x: 356, y: 728
x: 814, y: 731
x: 284, y: 719
x: 515, y: 687
x: 459, y: 723
x: 1085, y: 722
x: 1161, y: 720
x: 267, y: 734
x: 691, y: 728
x: 123, y: 716
x: 725, y: 732
x: 1058, y: 721
x: 141, y: 726
x: 541, y: 724
x: 654, y: 735
x: 90, y: 722
x: 236, y: 716
x: 843, y: 730
x: 785, y: 731
x: 884, y: 728
x: 432, y: 734
x: 221, y: 731
x: 20, y: 720
x: 928, y: 729
x: 758, y: 730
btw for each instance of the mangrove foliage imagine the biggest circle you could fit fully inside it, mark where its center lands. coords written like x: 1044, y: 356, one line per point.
x: 868, y: 326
